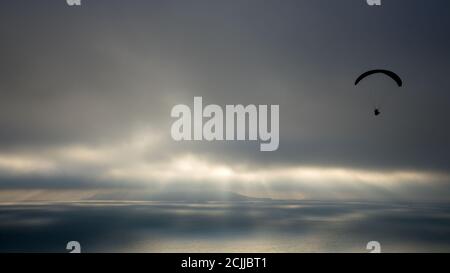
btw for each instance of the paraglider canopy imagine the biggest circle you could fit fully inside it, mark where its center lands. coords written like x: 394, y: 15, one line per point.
x: 388, y: 73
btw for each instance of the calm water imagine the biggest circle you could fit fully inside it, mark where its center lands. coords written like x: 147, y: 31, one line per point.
x: 224, y: 227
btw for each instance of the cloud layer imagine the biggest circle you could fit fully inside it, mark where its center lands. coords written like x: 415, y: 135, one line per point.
x: 86, y: 97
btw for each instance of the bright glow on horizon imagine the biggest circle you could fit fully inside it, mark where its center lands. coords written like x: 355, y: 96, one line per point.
x: 128, y: 162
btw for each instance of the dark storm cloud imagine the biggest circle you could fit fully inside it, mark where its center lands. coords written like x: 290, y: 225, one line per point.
x: 97, y: 73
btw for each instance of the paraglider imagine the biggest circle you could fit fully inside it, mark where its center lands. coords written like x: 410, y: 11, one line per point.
x: 388, y: 73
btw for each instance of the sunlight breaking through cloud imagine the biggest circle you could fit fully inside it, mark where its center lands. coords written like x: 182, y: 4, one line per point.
x: 131, y: 163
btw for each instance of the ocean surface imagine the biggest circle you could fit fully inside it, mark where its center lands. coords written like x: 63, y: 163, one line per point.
x: 263, y: 226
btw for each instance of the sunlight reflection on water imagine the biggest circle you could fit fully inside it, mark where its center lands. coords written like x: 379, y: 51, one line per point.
x: 276, y: 226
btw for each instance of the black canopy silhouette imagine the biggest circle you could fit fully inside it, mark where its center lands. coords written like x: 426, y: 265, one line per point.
x: 390, y: 74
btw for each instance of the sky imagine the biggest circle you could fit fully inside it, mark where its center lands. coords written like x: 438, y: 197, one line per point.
x: 86, y: 94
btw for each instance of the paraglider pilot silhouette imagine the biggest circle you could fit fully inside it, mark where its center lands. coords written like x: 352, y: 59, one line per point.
x: 376, y: 112
x: 388, y: 73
